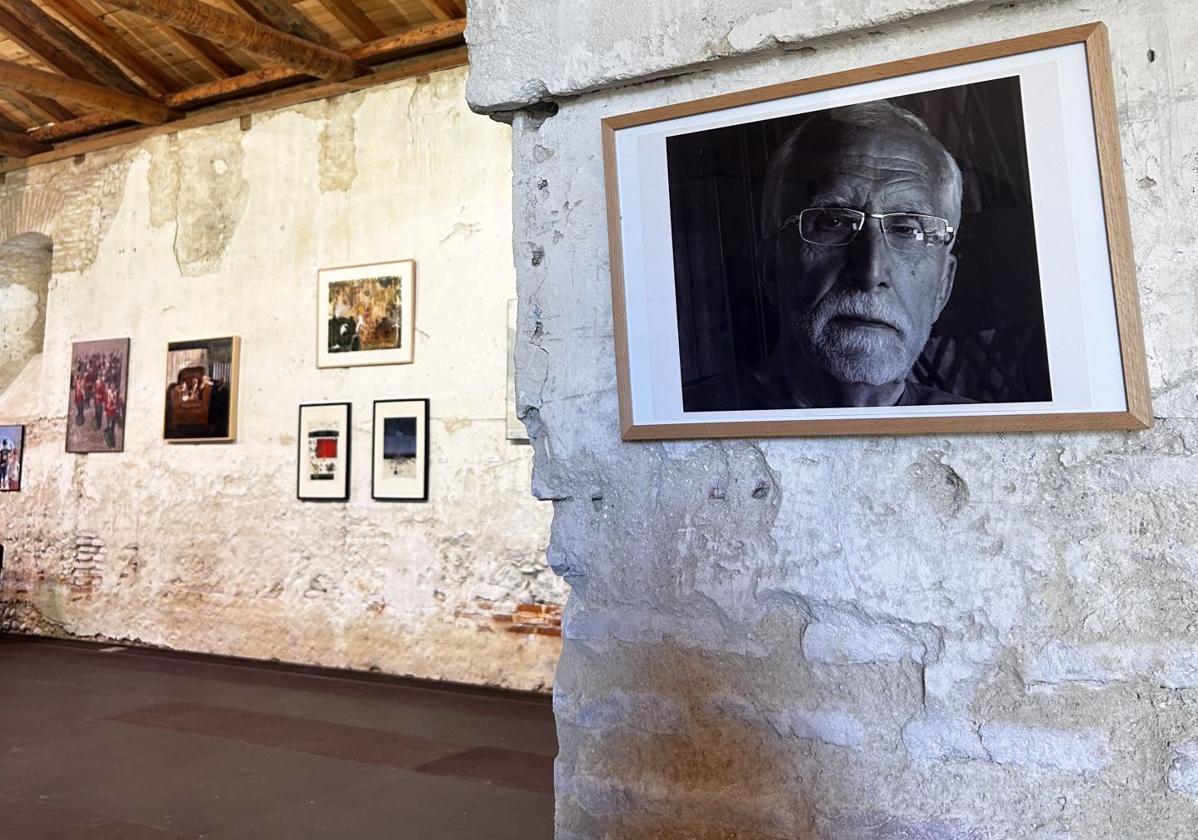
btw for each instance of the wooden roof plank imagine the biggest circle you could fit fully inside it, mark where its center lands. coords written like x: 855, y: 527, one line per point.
x: 98, y: 66
x: 354, y: 19
x: 407, y: 68
x: 106, y: 38
x: 415, y: 38
x: 233, y: 31
x: 38, y: 47
x: 39, y: 83
x: 19, y: 145
x: 441, y: 9
x: 286, y: 18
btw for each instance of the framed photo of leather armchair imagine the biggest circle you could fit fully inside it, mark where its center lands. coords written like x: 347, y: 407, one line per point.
x: 201, y: 390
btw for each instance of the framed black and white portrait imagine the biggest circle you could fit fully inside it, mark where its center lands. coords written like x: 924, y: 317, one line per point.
x: 937, y: 244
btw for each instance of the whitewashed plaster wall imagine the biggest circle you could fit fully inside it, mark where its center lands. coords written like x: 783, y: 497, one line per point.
x: 219, y: 231
x: 872, y: 638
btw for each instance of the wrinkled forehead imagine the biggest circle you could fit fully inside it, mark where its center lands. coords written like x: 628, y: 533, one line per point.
x: 876, y: 170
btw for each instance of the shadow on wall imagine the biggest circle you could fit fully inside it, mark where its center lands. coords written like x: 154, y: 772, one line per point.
x: 24, y: 287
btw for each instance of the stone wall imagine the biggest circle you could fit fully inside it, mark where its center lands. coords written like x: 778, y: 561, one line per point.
x: 220, y: 231
x: 874, y: 638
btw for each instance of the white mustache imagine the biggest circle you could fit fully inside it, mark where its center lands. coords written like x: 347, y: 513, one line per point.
x: 859, y: 305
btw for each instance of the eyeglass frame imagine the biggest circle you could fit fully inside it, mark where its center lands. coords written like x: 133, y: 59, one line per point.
x: 797, y: 217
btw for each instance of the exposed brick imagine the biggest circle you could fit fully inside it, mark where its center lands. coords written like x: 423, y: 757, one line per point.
x: 1170, y: 664
x: 931, y: 738
x: 840, y: 644
x: 832, y: 727
x: 875, y: 826
x: 1183, y: 773
x: 1077, y: 753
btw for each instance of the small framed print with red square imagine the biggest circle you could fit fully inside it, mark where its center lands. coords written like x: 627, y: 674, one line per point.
x: 323, y: 452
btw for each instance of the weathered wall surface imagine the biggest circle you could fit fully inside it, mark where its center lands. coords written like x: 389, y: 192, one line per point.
x: 218, y: 231
x: 877, y: 638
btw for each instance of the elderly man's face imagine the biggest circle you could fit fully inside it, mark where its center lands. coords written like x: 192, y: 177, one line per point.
x: 862, y: 312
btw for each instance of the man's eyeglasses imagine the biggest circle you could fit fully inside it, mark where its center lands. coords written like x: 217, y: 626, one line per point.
x: 840, y: 226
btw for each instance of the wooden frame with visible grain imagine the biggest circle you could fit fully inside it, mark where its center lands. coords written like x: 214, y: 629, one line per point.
x: 234, y: 391
x: 1138, y: 413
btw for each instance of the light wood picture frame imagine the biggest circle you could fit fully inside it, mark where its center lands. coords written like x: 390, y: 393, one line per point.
x: 201, y: 390
x: 366, y: 314
x: 937, y: 244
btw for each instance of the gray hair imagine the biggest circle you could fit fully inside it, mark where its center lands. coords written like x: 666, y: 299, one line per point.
x: 817, y: 133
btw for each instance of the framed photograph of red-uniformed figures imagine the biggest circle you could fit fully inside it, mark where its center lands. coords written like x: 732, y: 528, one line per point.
x: 936, y: 244
x: 96, y: 396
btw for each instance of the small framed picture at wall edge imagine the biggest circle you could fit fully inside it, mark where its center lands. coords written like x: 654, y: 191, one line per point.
x: 323, y: 452
x: 400, y: 457
x: 12, y: 457
x: 936, y: 244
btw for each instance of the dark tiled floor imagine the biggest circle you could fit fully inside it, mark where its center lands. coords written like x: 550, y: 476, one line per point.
x: 142, y: 746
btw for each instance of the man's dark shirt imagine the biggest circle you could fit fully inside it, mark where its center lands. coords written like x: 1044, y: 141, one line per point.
x: 755, y: 389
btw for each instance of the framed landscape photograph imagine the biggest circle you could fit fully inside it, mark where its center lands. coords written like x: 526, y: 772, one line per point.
x: 12, y: 453
x: 96, y: 397
x: 366, y: 314
x: 324, y: 440
x: 399, y: 467
x: 938, y: 244
x: 201, y: 390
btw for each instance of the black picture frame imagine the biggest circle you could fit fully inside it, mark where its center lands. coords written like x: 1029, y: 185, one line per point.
x: 304, y: 440
x: 394, y: 487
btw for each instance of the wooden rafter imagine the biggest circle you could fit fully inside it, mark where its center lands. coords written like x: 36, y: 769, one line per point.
x: 233, y: 31
x: 43, y: 105
x: 34, y: 44
x: 415, y: 66
x: 98, y: 67
x: 7, y: 124
x: 213, y: 59
x: 286, y: 18
x: 107, y: 39
x: 18, y: 144
x: 354, y: 19
x: 414, y: 39
x: 54, y: 86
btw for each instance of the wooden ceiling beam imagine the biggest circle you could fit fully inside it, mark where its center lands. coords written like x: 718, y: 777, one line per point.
x: 15, y: 144
x: 412, y: 40
x: 407, y: 68
x: 236, y: 32
x: 354, y: 19
x: 427, y: 36
x: 98, y: 67
x: 106, y: 38
x: 53, y: 86
x: 286, y: 18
